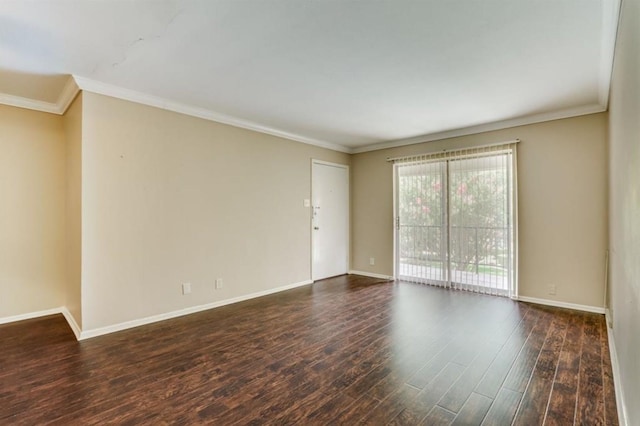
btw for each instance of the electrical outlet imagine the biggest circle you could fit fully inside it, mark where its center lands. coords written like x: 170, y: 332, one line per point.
x: 552, y: 289
x: 218, y: 283
x: 372, y: 261
x: 186, y: 288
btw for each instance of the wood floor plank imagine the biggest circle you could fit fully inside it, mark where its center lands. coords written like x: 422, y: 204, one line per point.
x: 535, y: 399
x: 456, y: 396
x: 391, y: 406
x: 521, y: 370
x: 503, y: 409
x: 368, y: 381
x: 327, y: 411
x: 562, y: 404
x: 435, y: 365
x: 342, y: 351
x: 500, y: 367
x: 307, y: 383
x: 590, y: 400
x: 473, y: 411
x: 456, y: 345
x: 362, y: 360
x: 438, y: 416
x: 427, y: 398
x: 351, y: 414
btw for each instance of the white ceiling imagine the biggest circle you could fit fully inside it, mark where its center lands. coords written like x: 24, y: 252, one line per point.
x: 353, y: 75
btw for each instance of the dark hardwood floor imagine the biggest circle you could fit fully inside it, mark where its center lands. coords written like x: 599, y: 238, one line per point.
x: 344, y: 351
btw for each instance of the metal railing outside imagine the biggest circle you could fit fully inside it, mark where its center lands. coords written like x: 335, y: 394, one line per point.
x: 479, y: 254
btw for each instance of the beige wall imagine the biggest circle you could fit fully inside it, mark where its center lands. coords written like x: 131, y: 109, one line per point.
x: 32, y: 212
x: 151, y: 199
x: 562, y: 175
x: 168, y: 198
x: 624, y: 205
x: 72, y: 121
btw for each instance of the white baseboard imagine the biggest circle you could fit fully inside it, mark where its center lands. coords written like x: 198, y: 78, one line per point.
x: 30, y: 315
x: 61, y: 310
x: 372, y: 275
x: 87, y: 334
x: 615, y: 366
x: 558, y: 304
x: 72, y: 322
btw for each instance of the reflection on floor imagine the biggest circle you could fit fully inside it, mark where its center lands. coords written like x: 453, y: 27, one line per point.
x: 340, y: 351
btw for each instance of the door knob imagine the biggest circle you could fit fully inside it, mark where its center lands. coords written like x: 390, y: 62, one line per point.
x: 316, y: 228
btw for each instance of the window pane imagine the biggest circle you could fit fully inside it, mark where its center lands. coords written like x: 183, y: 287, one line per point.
x: 422, y: 226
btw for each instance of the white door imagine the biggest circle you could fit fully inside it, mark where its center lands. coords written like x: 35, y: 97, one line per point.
x: 330, y: 219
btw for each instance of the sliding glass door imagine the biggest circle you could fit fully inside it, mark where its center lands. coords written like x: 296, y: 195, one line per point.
x: 421, y: 223
x: 455, y: 222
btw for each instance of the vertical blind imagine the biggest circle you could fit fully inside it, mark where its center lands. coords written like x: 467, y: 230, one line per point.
x: 456, y: 220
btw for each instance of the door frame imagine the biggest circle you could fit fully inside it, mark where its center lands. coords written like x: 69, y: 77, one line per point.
x: 348, y: 207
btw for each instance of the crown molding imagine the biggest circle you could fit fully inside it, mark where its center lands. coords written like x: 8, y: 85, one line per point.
x: 100, y: 88
x: 610, y: 25
x: 68, y: 94
x: 77, y: 83
x: 487, y: 127
x: 32, y: 104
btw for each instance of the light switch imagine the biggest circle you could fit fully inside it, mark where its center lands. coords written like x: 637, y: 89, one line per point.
x: 307, y: 202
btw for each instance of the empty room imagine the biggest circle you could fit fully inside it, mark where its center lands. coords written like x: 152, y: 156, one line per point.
x: 320, y: 212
